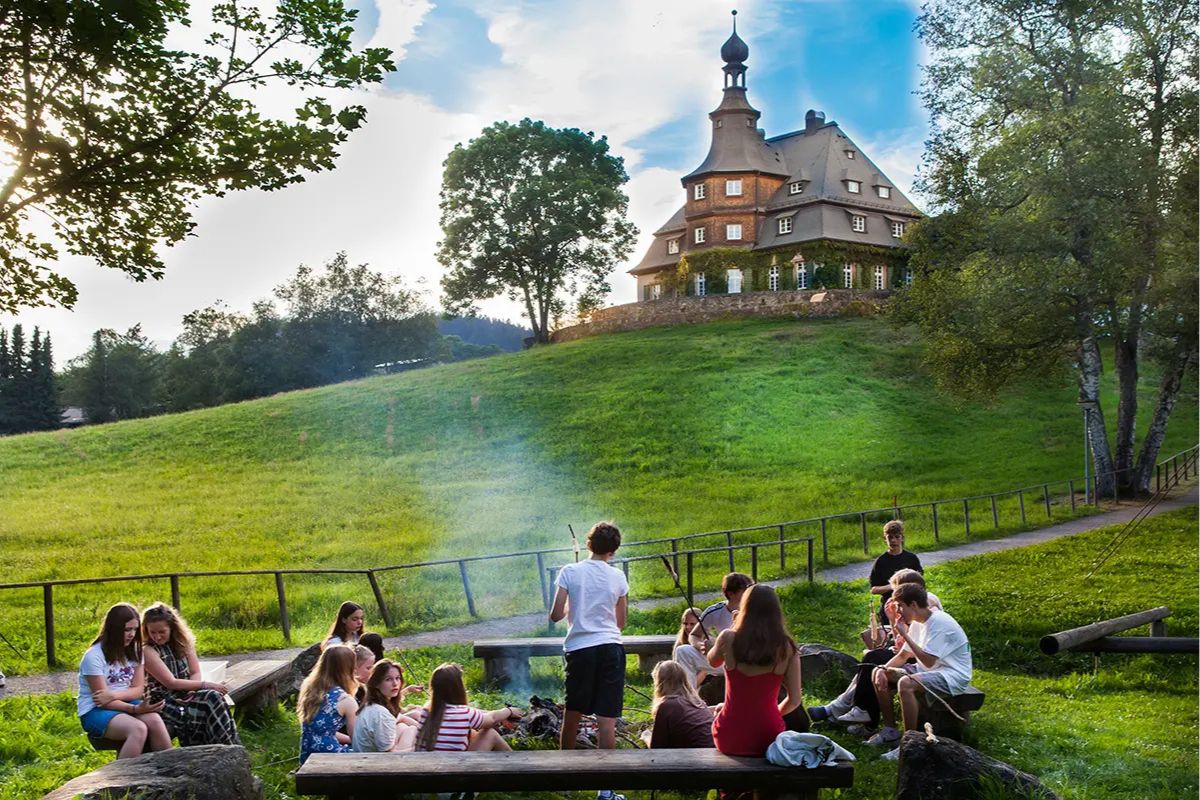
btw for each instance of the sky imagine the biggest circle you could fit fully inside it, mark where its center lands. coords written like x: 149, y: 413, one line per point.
x: 644, y: 73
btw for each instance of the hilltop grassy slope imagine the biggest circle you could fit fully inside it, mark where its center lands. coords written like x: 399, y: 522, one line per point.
x: 665, y: 431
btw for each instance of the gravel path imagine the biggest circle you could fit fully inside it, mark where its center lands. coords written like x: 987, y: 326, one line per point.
x: 523, y: 624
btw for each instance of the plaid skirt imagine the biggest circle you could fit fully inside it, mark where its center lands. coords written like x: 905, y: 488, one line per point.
x: 203, y: 719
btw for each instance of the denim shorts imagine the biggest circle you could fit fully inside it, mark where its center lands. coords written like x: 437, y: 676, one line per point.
x: 95, y: 722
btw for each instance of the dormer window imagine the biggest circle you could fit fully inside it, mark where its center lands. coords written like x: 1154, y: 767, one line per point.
x: 796, y: 187
x: 698, y: 235
x: 897, y: 230
x: 733, y: 232
x: 854, y: 187
x: 733, y: 188
x: 785, y: 224
x: 884, y: 191
x: 858, y: 223
x: 698, y: 191
x: 672, y: 246
x: 850, y: 154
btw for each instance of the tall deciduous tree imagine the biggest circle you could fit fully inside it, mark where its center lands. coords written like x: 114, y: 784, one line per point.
x: 1062, y: 163
x: 533, y: 213
x: 113, y: 133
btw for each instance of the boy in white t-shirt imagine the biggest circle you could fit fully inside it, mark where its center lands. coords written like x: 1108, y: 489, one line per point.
x: 593, y: 596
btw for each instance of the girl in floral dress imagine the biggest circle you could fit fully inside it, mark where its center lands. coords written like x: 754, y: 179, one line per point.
x: 326, y: 703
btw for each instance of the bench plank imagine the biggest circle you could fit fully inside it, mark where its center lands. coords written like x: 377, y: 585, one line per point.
x: 387, y: 774
x: 248, y: 678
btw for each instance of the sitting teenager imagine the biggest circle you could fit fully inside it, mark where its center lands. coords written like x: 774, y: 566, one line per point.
x: 326, y: 705
x: 195, y: 710
x: 759, y: 657
x: 111, y: 678
x: 364, y: 661
x: 347, y: 626
x: 381, y: 726
x: 858, y: 704
x: 693, y: 655
x: 374, y: 643
x: 691, y: 648
x: 681, y: 719
x: 448, y: 723
x: 932, y: 665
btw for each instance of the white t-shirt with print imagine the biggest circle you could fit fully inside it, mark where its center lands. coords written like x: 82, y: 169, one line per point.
x: 593, y: 589
x: 116, y: 674
x: 941, y: 636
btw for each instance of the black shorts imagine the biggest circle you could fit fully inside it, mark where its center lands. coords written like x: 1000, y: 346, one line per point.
x: 596, y: 680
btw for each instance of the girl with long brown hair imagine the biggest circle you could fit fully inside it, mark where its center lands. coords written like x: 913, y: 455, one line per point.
x: 758, y: 656
x: 381, y: 726
x: 448, y: 723
x: 348, y: 626
x: 326, y: 703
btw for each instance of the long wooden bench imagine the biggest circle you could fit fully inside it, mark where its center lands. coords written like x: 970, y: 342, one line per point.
x: 386, y: 775
x: 253, y: 687
x: 506, y: 661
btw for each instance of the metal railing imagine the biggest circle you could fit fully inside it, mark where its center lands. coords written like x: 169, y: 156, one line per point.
x: 1169, y: 472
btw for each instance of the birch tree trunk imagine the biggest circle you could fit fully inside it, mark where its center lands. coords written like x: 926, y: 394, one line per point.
x: 1091, y: 367
x: 1168, y: 393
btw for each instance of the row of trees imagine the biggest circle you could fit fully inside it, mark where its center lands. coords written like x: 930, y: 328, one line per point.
x: 28, y: 388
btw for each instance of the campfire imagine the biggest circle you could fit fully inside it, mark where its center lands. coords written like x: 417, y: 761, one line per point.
x: 542, y: 722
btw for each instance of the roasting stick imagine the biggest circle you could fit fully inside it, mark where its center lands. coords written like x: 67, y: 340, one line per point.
x: 675, y: 579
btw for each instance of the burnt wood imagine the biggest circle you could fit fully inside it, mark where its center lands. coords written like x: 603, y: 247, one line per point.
x: 385, y: 775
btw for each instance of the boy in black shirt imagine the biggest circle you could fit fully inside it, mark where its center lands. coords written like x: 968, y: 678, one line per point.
x: 888, y: 564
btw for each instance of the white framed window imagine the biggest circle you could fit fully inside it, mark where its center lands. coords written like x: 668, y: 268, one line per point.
x: 897, y: 230
x: 848, y: 276
x: 880, y: 282
x: 655, y: 291
x: 698, y: 235
x: 850, y: 154
x: 733, y: 232
x: 785, y: 224
x: 854, y: 187
x: 733, y: 279
x: 796, y: 187
x: 773, y: 279
x: 858, y: 224
x: 698, y: 191
x: 672, y: 246
x: 908, y: 276
x: 698, y: 285
x: 884, y: 191
x: 733, y: 188
x: 801, y: 273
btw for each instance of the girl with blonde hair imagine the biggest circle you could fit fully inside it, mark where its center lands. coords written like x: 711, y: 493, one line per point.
x: 681, y: 719
x: 326, y: 703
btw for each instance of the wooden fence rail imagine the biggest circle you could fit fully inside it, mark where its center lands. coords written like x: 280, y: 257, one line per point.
x: 1167, y: 473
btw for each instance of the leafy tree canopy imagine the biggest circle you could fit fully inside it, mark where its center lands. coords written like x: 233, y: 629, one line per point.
x: 536, y: 214
x: 112, y: 135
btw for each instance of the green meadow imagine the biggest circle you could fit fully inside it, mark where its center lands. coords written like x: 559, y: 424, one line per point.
x: 666, y: 432
x: 1123, y: 728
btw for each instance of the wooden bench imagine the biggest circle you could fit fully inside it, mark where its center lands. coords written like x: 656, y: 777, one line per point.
x: 506, y: 661
x: 943, y: 722
x: 253, y: 687
x: 386, y: 775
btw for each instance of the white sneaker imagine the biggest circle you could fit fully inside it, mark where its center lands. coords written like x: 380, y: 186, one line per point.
x: 884, y: 736
x: 892, y: 755
x: 855, y: 714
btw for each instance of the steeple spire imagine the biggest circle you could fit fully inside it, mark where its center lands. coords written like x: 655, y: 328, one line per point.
x: 734, y: 52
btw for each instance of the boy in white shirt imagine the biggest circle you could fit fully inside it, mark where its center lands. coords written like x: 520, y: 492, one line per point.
x: 594, y: 598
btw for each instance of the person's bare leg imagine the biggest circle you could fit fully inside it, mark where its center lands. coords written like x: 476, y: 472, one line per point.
x: 406, y: 739
x: 883, y: 693
x: 128, y: 730
x: 606, y: 733
x: 910, y: 691
x: 570, y: 729
x: 489, y: 740
x: 157, y: 734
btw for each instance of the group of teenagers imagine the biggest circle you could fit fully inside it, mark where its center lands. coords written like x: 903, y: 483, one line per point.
x: 737, y: 653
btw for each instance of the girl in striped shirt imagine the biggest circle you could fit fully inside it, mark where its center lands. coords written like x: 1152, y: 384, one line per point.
x: 448, y: 723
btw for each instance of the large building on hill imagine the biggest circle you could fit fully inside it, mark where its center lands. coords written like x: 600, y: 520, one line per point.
x: 802, y: 210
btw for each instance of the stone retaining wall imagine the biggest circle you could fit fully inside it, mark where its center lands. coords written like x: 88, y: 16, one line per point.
x: 688, y: 310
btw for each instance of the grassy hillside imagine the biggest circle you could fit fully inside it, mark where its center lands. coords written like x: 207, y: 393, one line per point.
x: 665, y: 431
x: 1124, y: 731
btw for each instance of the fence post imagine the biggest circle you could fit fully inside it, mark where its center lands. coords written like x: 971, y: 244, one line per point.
x: 810, y: 560
x: 935, y: 522
x: 1046, y: 499
x: 754, y: 563
x: 995, y: 514
x: 1157, y: 478
x: 466, y: 582
x: 175, y: 592
x: 383, y: 609
x: 675, y: 555
x: 862, y: 520
x: 1021, y: 497
x: 1071, y: 491
x: 48, y: 624
x: 285, y: 621
x: 690, y: 571
x: 824, y: 543
x: 625, y: 568
x: 967, y: 516
x: 1095, y: 490
x: 729, y: 544
x: 782, y: 554
x: 541, y: 568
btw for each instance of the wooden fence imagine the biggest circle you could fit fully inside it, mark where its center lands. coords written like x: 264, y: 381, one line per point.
x: 1168, y: 473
